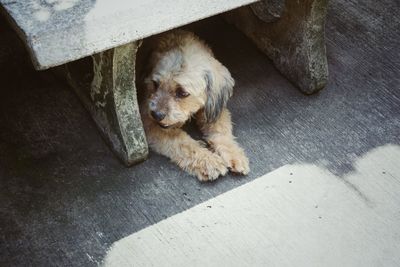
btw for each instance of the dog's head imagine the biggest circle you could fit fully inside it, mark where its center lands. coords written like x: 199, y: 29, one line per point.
x: 184, y: 81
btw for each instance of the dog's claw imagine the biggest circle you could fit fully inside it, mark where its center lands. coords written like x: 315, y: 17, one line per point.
x: 211, y: 168
x: 235, y: 159
x: 240, y: 165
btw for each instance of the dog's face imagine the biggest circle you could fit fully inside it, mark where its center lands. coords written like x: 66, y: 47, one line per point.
x: 183, y: 83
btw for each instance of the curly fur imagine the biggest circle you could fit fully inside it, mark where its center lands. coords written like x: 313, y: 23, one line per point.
x: 183, y: 80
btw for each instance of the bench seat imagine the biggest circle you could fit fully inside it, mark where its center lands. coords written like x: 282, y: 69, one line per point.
x: 60, y: 31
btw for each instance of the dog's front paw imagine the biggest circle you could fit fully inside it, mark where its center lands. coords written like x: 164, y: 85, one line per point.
x: 239, y: 164
x: 210, y: 168
x: 235, y: 159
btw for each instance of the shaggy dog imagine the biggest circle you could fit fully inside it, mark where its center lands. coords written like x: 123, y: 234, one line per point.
x: 183, y: 80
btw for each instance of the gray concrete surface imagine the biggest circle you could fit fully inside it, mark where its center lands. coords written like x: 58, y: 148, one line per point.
x: 66, y: 200
x: 297, y: 215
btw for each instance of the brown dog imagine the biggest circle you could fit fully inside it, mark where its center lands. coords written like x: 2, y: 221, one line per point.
x: 184, y: 80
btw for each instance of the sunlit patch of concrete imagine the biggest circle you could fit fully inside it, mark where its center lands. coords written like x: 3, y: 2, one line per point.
x: 297, y: 215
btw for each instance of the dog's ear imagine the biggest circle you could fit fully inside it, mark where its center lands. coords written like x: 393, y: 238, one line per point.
x: 219, y: 88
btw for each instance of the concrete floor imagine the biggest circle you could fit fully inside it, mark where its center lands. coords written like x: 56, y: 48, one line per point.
x: 297, y: 215
x: 325, y: 168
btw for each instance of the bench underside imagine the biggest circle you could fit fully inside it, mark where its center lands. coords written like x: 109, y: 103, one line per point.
x: 289, y: 32
x: 292, y: 35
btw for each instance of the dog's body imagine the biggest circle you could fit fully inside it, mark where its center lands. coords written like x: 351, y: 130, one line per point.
x: 184, y: 80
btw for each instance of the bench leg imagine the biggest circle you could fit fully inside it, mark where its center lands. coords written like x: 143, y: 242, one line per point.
x: 105, y: 83
x: 292, y: 34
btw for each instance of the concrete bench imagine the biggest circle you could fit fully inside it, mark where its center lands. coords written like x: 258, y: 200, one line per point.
x: 60, y: 32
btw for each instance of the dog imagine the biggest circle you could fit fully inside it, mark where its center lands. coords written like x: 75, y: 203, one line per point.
x: 182, y: 80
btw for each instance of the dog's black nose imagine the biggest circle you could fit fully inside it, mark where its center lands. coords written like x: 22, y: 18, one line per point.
x: 157, y: 115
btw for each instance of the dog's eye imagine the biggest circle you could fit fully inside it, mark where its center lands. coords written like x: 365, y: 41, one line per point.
x: 156, y: 84
x: 180, y: 93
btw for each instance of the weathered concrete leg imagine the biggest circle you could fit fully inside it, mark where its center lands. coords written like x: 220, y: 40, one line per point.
x: 106, y: 85
x: 292, y: 34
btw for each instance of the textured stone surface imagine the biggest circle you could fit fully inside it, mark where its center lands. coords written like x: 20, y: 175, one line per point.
x: 106, y: 85
x: 295, y: 42
x: 97, y: 25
